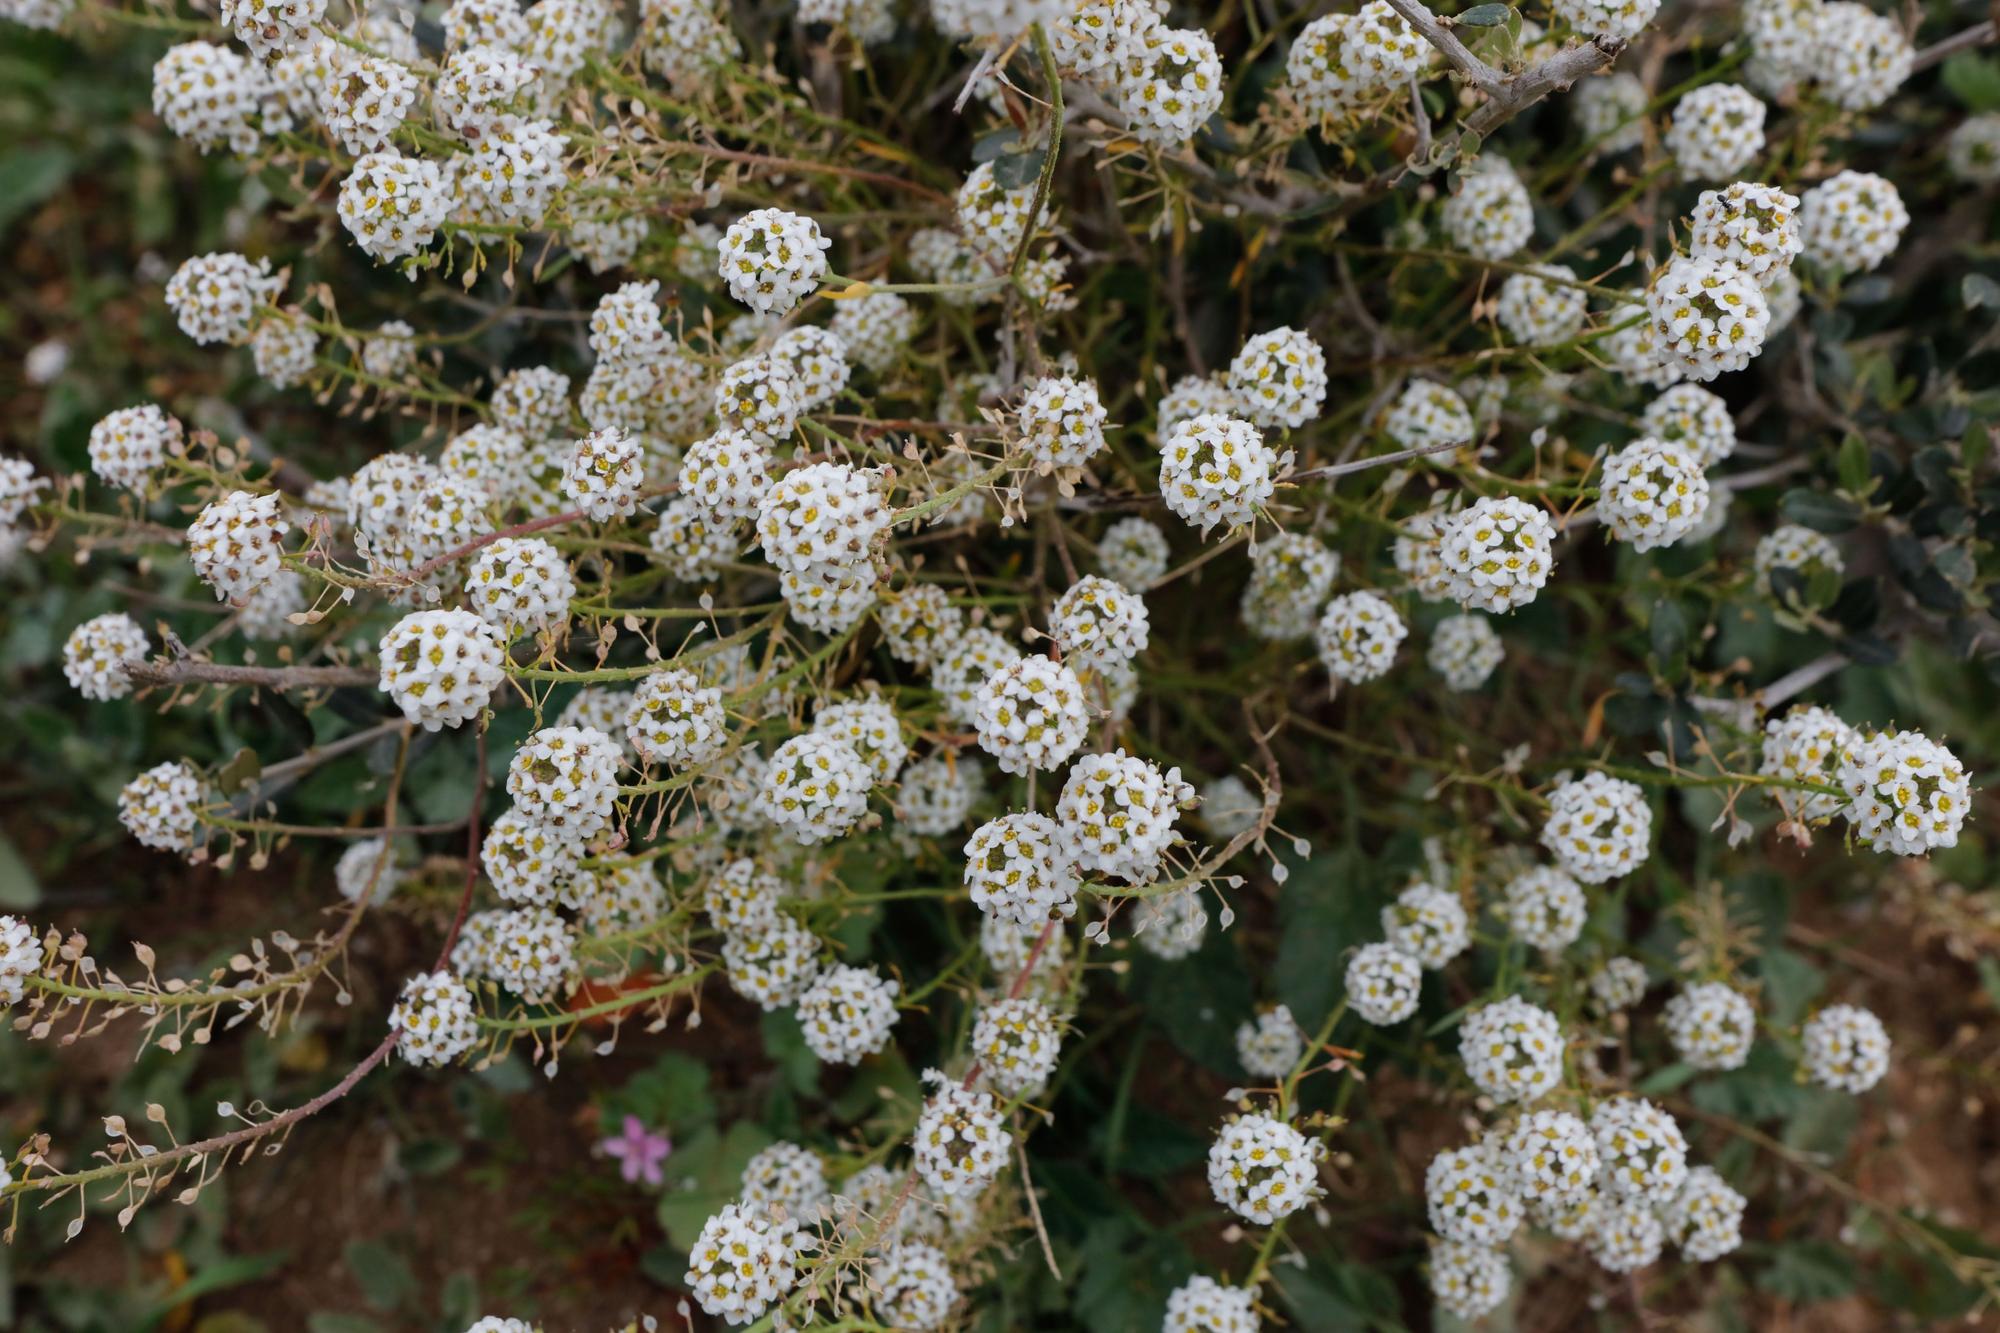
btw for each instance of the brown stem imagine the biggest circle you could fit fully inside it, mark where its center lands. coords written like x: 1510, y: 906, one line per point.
x: 190, y: 672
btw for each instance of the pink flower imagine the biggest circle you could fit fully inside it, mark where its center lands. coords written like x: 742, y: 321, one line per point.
x: 639, y: 1151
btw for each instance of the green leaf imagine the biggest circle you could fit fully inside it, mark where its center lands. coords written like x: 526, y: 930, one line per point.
x: 707, y: 1171
x: 384, y: 1274
x: 1322, y: 910
x: 18, y: 885
x: 1820, y: 511
x: 325, y: 1321
x: 989, y: 146
x: 1974, y: 80
x: 1977, y: 290
x: 1808, y: 1272
x: 30, y: 175
x: 1013, y: 170
x: 1668, y: 632
x: 1484, y: 16
x: 1854, y: 472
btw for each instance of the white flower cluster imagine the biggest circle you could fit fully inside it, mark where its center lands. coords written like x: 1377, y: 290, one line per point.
x: 1710, y: 315
x: 1470, y: 1195
x: 1490, y: 215
x: 1217, y: 469
x: 1357, y: 636
x: 1599, y: 827
x: 1270, y: 1044
x: 161, y: 806
x: 1541, y: 308
x: 433, y: 1019
x: 846, y: 1013
x: 1262, y: 1168
x: 960, y: 1142
x: 1807, y: 744
x: 236, y: 543
x: 1852, y: 221
x: 1427, y: 923
x: 1291, y: 574
x: 1496, y: 555
x: 1545, y: 907
x: 816, y: 787
x: 1905, y: 793
x: 1845, y: 1048
x: 1117, y: 813
x: 1203, y: 1305
x: 1340, y: 61
x: 1652, y: 493
x: 1755, y: 227
x: 1017, y: 1042
x: 773, y: 259
x: 1715, y: 131
x: 1031, y: 715
x: 741, y: 1263
x: 1279, y: 378
x: 1711, y: 1026
x: 97, y: 651
x: 441, y: 667
x: 126, y: 446
x: 1383, y: 983
x: 20, y: 958
x: 1513, y: 1050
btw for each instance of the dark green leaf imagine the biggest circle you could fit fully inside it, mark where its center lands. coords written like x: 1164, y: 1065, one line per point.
x: 1013, y: 170
x: 384, y: 1274
x: 30, y: 175
x: 1820, y: 511
x: 1808, y: 1272
x: 1484, y: 16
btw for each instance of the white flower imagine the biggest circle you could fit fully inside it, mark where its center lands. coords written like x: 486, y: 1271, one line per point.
x: 393, y: 205
x: 1851, y: 222
x: 1715, y: 131
x: 1636, y: 350
x: 1341, y: 60
x: 532, y: 953
x: 1538, y: 312
x: 773, y: 259
x: 1755, y: 227
x: 1427, y: 923
x: 1097, y: 621
x: 214, y: 296
x: 676, y: 720
x: 562, y: 34
x: 1270, y: 1044
x: 1551, y: 1157
x: 1471, y: 1197
x: 871, y: 726
x: 919, y: 623
x: 533, y: 402
x: 821, y: 514
x: 208, y: 96
x: 608, y: 240
x: 692, y: 542
x: 433, y: 1019
x: 1263, y: 1169
x: 1599, y: 827
x: 1846, y: 1048
x: 993, y: 217
x: 126, y: 446
x: 817, y: 359
x: 477, y: 86
x: 532, y: 863
x: 1705, y: 1219
x: 960, y: 1141
x: 1016, y: 1042
x: 1094, y: 37
x: 1619, y: 984
x: 284, y: 349
x: 266, y: 613
x: 1357, y: 636
x: 161, y: 807
x: 513, y: 177
x: 1169, y: 84
x: 1382, y: 983
x: 1020, y: 868
x: 391, y: 352
x: 1651, y: 493
x: 759, y: 394
x: 1229, y: 807
x: 1428, y: 414
x: 626, y: 323
x: 566, y: 778
x: 1611, y: 111
x: 685, y: 41
x: 1006, y: 945
x: 1782, y: 36
x: 846, y: 1014
x: 740, y: 1264
x: 1619, y: 19
x: 441, y: 667
x: 604, y: 474
x: 1031, y: 715
x: 816, y: 787
x: 1191, y: 396
x: 914, y: 1286
x: 1513, y: 1050
x: 97, y: 651
x: 1217, y: 469
x: 1640, y: 1151
x: 1905, y: 793
x: 1711, y: 1026
x: 20, y: 958
x: 363, y: 99
x: 271, y: 27
x: 1796, y: 549
x: 934, y: 795
x: 1117, y: 813
x: 875, y: 328
x: 1496, y: 555
x: 1279, y: 378
x: 742, y: 896
x: 1171, y: 925
x: 1859, y: 58
x: 771, y: 962
x: 1545, y: 908
x: 1973, y: 149
x: 1694, y: 419
x: 1203, y: 1305
x: 1465, y: 650
x: 963, y: 667
x: 1710, y: 315
x: 788, y: 1182
x: 1133, y: 551
x: 237, y: 543
x: 1807, y: 744
x: 728, y: 472
x: 1624, y: 1234
x: 1490, y: 216
x: 520, y: 584
x: 1062, y: 422
x: 1290, y: 575
x: 1470, y: 1281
